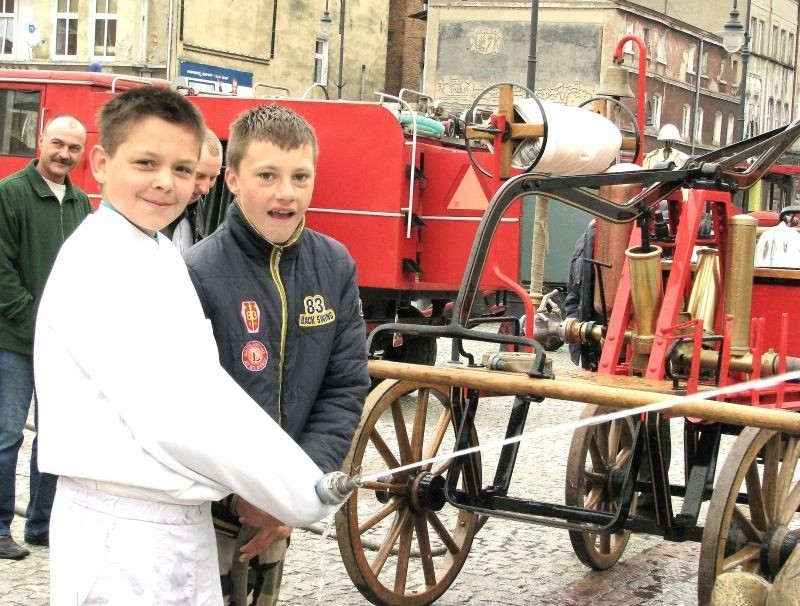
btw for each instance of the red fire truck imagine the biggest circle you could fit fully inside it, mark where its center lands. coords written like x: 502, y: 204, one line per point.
x: 406, y: 206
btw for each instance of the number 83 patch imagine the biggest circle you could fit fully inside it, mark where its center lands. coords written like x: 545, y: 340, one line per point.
x: 315, y: 312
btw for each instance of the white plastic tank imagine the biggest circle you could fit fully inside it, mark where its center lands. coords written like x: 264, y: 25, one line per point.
x: 578, y: 141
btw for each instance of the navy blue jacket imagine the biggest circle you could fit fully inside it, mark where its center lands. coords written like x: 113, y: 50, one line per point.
x: 289, y: 329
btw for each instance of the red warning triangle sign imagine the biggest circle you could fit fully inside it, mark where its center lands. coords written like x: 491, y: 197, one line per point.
x: 469, y: 194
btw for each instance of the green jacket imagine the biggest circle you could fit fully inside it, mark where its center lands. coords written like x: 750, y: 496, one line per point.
x: 33, y: 226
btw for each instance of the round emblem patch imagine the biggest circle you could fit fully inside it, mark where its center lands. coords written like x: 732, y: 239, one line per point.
x: 254, y: 356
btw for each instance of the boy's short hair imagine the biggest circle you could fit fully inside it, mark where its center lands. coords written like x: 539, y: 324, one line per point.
x: 276, y: 124
x: 117, y: 117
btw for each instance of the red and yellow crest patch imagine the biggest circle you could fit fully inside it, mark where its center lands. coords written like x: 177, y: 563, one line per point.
x: 254, y: 356
x: 251, y: 315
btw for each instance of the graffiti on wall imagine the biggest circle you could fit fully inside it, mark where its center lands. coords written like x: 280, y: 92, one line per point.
x: 474, y: 56
x: 563, y: 92
x: 485, y: 41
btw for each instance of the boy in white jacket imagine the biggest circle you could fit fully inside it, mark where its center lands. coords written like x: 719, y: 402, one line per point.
x: 128, y: 418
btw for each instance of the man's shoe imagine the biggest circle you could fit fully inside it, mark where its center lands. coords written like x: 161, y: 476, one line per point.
x: 9, y: 550
x: 43, y: 539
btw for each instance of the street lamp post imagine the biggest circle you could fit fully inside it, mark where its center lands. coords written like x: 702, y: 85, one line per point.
x: 325, y: 24
x: 736, y: 36
x: 531, y: 76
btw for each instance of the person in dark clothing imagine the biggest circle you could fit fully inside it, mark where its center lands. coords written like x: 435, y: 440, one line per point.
x: 185, y: 231
x: 284, y: 305
x: 39, y: 209
x: 579, y: 302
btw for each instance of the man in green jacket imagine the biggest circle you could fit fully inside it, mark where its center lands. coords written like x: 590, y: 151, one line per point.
x: 39, y: 209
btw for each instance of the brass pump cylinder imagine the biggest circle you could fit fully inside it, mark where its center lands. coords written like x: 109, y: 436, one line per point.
x: 702, y: 303
x: 646, y: 295
x: 739, y: 279
x: 646, y: 287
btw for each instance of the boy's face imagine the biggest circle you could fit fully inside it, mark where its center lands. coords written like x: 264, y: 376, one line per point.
x: 274, y: 187
x: 150, y: 177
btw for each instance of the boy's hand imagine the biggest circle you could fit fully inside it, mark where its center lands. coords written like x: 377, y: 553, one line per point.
x: 270, y: 529
x: 263, y: 539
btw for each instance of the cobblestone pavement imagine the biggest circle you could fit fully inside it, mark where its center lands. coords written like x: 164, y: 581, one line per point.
x: 510, y: 563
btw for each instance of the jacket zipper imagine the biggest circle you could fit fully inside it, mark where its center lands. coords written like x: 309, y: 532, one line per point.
x: 275, y: 259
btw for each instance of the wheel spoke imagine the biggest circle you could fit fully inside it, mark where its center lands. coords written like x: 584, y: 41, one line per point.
x: 390, y: 507
x: 770, y: 475
x: 614, y: 434
x: 755, y: 497
x: 442, y: 532
x: 442, y: 467
x: 420, y: 416
x: 753, y: 534
x: 601, y: 434
x: 605, y: 543
x: 624, y: 456
x: 400, y: 431
x: 741, y: 557
x: 593, y: 499
x: 438, y: 434
x: 403, y: 556
x: 598, y: 460
x: 425, y: 554
x: 383, y: 449
x: 391, y: 487
x: 790, y: 505
x: 388, y: 542
x: 786, y: 473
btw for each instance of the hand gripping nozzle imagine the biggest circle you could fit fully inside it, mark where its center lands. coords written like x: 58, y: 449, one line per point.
x: 334, y: 488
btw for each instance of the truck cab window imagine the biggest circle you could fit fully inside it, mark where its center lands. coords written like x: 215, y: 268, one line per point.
x: 19, y: 122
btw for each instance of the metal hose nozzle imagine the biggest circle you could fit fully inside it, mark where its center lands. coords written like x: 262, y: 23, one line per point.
x: 334, y: 488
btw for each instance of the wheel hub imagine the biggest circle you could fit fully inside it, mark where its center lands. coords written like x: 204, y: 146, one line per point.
x: 776, y: 547
x: 427, y: 492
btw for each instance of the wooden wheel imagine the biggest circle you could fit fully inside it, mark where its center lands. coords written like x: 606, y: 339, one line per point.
x: 756, y: 531
x: 597, y: 455
x: 401, y: 542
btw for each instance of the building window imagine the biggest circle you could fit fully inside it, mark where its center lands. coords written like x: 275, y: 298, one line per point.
x: 627, y: 48
x: 661, y: 52
x: 105, y: 28
x: 773, y: 43
x: 716, y: 138
x: 646, y: 40
x: 735, y: 73
x: 698, y: 131
x: 66, y: 29
x: 690, y: 61
x: 704, y: 66
x: 722, y: 76
x: 655, y: 115
x: 730, y: 132
x: 770, y: 114
x: 784, y: 52
x: 761, y: 37
x: 321, y: 62
x: 7, y: 27
x: 686, y: 123
x: 790, y: 52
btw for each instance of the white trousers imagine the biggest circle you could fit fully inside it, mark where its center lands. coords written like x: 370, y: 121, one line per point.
x: 107, y: 549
